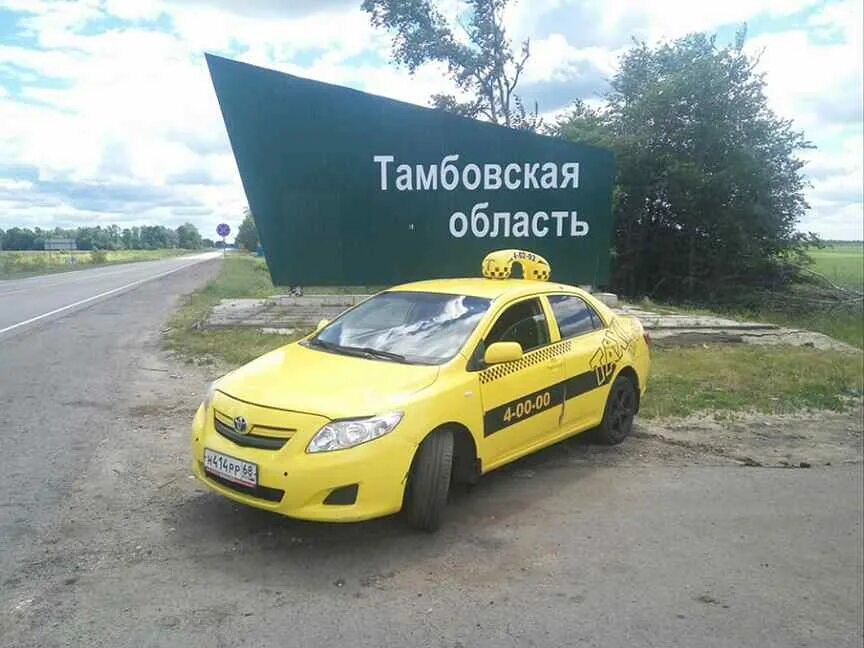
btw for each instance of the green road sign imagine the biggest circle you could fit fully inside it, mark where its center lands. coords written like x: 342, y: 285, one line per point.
x: 349, y: 188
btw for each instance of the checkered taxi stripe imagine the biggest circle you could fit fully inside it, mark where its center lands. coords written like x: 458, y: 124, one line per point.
x: 543, y: 354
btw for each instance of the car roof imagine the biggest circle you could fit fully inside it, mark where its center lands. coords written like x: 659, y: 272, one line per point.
x: 489, y: 288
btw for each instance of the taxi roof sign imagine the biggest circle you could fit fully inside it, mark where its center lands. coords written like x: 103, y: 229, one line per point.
x: 499, y: 265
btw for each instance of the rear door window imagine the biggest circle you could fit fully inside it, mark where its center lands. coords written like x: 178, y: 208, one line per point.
x: 574, y: 316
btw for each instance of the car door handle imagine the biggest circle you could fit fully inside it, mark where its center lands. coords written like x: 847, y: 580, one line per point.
x: 555, y: 363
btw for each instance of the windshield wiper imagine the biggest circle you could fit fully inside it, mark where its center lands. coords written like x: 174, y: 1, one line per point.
x: 378, y: 353
x: 336, y: 348
x: 363, y: 352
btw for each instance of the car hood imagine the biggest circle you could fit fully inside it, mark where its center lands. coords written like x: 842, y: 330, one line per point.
x: 302, y: 379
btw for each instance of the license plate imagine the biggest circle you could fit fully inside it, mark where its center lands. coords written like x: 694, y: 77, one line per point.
x: 235, y: 470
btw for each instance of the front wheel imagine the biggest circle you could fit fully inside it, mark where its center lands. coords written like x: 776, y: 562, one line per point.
x: 429, y: 481
x: 618, y: 415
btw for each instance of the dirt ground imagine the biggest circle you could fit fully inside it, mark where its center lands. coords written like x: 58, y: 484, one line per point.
x: 785, y: 441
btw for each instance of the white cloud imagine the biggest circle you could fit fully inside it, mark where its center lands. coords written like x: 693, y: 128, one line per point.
x: 613, y: 23
x: 805, y: 79
x: 134, y: 9
x: 127, y: 105
x: 815, y: 76
x: 674, y: 19
x: 837, y: 195
x: 345, y: 32
x: 15, y: 185
x: 553, y: 58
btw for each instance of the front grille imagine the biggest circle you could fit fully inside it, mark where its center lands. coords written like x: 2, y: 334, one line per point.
x: 261, y: 492
x: 247, y: 440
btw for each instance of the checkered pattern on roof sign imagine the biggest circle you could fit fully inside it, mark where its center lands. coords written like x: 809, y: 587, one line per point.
x: 499, y: 265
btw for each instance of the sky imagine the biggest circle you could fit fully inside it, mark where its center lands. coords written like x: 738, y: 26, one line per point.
x: 108, y: 115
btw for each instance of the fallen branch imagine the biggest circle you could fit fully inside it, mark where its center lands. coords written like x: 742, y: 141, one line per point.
x: 831, y: 283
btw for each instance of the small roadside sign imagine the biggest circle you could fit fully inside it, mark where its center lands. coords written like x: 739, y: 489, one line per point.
x: 223, y: 230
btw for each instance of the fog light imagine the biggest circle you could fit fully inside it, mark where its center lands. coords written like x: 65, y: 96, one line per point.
x: 342, y: 496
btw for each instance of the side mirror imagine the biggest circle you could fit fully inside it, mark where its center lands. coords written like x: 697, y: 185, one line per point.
x: 499, y: 352
x: 321, y: 324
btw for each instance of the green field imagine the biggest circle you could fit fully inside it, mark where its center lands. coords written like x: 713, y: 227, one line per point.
x: 15, y: 265
x: 842, y: 263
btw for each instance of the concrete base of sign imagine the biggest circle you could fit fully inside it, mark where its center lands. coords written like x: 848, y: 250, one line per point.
x: 280, y: 311
x: 670, y: 329
x: 610, y: 299
x: 288, y: 314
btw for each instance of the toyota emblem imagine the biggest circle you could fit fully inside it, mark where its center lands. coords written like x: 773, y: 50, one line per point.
x: 240, y: 425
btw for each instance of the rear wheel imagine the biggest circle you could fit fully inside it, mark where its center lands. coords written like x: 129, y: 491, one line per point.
x: 618, y: 415
x: 429, y: 481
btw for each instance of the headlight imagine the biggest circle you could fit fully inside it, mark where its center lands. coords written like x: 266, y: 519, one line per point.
x: 339, y: 435
x: 208, y: 396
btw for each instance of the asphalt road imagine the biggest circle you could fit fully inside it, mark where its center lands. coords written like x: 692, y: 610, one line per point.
x: 24, y: 302
x: 106, y: 541
x: 68, y: 350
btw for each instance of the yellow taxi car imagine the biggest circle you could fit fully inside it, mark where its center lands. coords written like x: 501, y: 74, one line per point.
x: 420, y: 385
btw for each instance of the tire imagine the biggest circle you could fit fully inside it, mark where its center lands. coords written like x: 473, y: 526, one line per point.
x: 619, y: 412
x: 429, y: 481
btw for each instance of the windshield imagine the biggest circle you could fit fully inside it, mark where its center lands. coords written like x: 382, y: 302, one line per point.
x: 413, y: 327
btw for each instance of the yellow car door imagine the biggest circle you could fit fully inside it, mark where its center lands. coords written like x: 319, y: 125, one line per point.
x: 586, y: 386
x: 522, y: 399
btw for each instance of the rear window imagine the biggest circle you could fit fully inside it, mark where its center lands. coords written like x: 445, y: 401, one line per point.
x: 574, y: 316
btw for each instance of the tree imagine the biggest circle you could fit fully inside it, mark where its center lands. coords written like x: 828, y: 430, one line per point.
x: 709, y: 188
x: 156, y: 237
x: 188, y: 237
x: 131, y: 238
x: 87, y: 238
x: 19, y: 238
x: 247, y: 235
x: 484, y: 67
x: 98, y: 238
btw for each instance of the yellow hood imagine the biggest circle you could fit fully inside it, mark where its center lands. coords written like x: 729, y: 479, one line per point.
x: 301, y: 379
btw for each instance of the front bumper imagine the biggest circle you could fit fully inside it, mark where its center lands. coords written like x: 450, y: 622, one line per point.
x: 378, y: 468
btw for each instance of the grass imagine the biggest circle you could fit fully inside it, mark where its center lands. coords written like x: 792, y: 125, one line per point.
x: 842, y: 263
x: 240, y: 276
x: 772, y: 380
x: 16, y: 265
